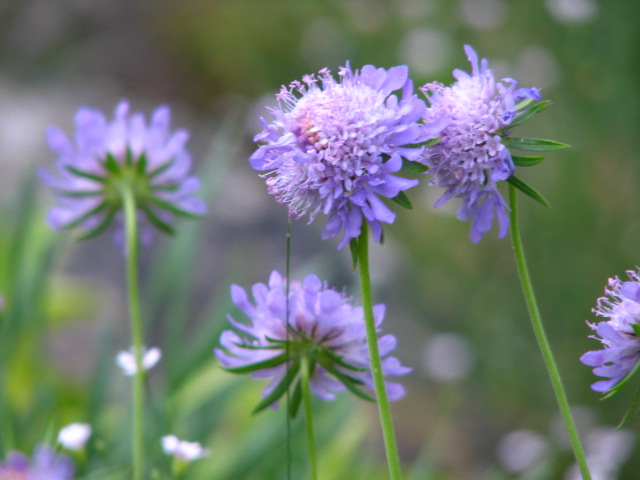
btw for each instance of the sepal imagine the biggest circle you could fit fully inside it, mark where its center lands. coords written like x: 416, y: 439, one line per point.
x: 526, y: 161
x: 533, y: 144
x: 531, y: 108
x: 280, y: 389
x: 413, y: 168
x: 528, y: 190
x: 402, y: 200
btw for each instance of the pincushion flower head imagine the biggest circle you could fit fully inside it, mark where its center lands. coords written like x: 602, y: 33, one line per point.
x: 472, y: 155
x: 619, y: 335
x: 333, y: 146
x: 324, y: 327
x: 107, y: 159
x: 45, y: 465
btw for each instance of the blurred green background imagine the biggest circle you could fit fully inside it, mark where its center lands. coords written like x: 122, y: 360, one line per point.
x: 456, y: 307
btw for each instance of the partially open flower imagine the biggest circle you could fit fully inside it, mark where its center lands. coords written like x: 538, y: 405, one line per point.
x: 105, y: 159
x: 323, y: 326
x: 335, y: 146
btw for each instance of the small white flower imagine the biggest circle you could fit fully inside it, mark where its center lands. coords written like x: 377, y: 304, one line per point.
x: 74, y: 436
x: 183, y: 450
x: 127, y: 360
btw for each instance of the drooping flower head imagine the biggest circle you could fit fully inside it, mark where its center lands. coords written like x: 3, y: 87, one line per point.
x: 471, y: 156
x: 104, y: 158
x: 323, y: 326
x: 46, y: 465
x: 334, y: 145
x: 620, y: 334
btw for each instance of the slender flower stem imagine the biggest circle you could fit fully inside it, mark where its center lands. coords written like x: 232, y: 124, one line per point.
x: 308, y: 416
x: 386, y: 422
x: 131, y: 232
x: 541, y: 337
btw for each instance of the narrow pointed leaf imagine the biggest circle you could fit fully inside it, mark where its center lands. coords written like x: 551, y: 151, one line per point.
x: 526, y: 161
x: 80, y: 194
x: 141, y: 165
x: 402, y: 200
x: 102, y: 226
x: 295, y: 400
x: 338, y: 359
x: 527, y: 114
x: 349, y: 383
x: 165, y: 205
x: 162, y: 168
x: 631, y: 411
x: 157, y: 221
x: 636, y: 329
x: 111, y: 165
x: 353, y: 246
x: 413, y: 168
x: 432, y: 142
x: 527, y: 190
x: 247, y: 346
x: 533, y: 144
x: 280, y: 389
x: 89, y: 176
x: 613, y: 390
x: 268, y: 363
x: 86, y: 216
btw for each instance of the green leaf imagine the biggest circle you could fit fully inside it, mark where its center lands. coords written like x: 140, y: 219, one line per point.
x: 533, y: 144
x: 268, y: 363
x: 89, y: 176
x: 526, y: 161
x: 402, y: 200
x: 160, y: 169
x: 636, y: 329
x: 111, y: 165
x: 527, y: 190
x: 141, y: 166
x: 101, y: 227
x: 295, y: 399
x: 632, y: 410
x: 86, y: 216
x: 355, y: 249
x: 413, y: 168
x: 432, y: 142
x: 613, y: 390
x: 525, y: 115
x: 157, y: 221
x: 338, y: 359
x: 349, y: 382
x: 280, y: 389
x: 165, y: 205
x: 80, y: 194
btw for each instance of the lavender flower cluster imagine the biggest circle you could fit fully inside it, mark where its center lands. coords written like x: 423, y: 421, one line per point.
x: 334, y: 146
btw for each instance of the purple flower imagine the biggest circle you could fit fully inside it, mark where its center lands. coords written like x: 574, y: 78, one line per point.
x: 471, y: 158
x: 619, y: 334
x: 333, y: 146
x: 104, y: 158
x: 323, y: 326
x: 46, y: 465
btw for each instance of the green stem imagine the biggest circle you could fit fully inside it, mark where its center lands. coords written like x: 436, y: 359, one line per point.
x: 131, y: 232
x: 541, y: 337
x: 308, y: 416
x: 386, y: 422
